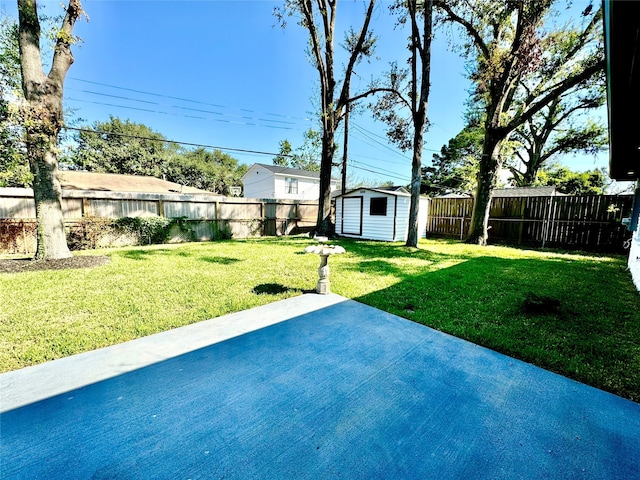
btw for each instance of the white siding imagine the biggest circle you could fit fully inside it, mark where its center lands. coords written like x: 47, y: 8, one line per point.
x: 308, y: 189
x: 349, y: 222
x: 259, y: 182
x: 423, y: 213
x: 634, y: 258
x: 374, y: 227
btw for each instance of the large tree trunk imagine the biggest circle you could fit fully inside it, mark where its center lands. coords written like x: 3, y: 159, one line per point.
x: 324, y: 225
x: 43, y: 121
x: 51, y: 236
x: 416, y: 179
x: 419, y: 108
x: 488, y: 173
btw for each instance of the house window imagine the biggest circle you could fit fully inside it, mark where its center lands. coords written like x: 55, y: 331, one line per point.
x: 378, y: 206
x: 291, y: 185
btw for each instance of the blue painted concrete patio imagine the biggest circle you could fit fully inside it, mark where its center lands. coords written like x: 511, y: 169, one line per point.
x: 311, y: 387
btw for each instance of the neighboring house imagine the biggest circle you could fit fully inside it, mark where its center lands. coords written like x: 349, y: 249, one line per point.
x: 115, y: 182
x: 272, y: 181
x: 378, y: 214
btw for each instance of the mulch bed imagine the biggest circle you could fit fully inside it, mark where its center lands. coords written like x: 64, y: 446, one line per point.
x: 28, y: 265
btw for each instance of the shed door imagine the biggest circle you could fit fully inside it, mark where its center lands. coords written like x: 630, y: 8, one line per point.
x: 352, y: 215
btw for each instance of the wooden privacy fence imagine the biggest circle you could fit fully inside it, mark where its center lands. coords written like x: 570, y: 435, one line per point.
x: 207, y: 215
x: 590, y: 222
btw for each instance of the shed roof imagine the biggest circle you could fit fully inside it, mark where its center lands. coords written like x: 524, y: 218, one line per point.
x: 114, y: 182
x: 397, y: 191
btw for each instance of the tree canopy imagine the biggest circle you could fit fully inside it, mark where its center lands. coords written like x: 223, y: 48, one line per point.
x: 305, y: 157
x: 591, y: 182
x: 454, y: 169
x: 14, y: 170
x: 126, y: 147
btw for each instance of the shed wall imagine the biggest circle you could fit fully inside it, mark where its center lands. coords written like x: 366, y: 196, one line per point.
x: 374, y: 227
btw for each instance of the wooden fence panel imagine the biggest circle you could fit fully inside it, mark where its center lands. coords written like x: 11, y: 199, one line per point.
x: 592, y: 222
x: 210, y: 216
x: 107, y: 208
x: 190, y: 210
x: 240, y: 211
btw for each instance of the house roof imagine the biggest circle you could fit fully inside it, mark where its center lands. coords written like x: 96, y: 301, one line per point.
x: 622, y: 49
x: 114, y: 182
x: 278, y: 170
x: 527, y: 192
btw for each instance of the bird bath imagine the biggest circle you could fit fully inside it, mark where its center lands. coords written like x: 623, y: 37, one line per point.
x: 324, y: 286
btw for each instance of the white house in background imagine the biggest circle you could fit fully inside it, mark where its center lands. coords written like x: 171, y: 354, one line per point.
x: 378, y: 214
x: 272, y: 181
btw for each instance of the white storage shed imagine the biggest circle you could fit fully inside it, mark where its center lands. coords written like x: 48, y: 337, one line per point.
x: 377, y: 214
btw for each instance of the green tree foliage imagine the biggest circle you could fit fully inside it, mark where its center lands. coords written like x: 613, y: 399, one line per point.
x: 213, y: 171
x: 306, y: 157
x: 565, y: 126
x: 126, y: 147
x: 14, y: 170
x: 591, y: 182
x: 117, y: 146
x: 454, y: 169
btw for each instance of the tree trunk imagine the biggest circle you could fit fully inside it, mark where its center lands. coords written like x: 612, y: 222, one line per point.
x: 414, y: 209
x: 47, y: 194
x: 488, y: 173
x: 43, y: 121
x: 324, y: 225
x: 419, y: 107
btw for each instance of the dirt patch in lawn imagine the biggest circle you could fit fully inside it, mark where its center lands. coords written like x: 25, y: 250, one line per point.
x: 28, y: 265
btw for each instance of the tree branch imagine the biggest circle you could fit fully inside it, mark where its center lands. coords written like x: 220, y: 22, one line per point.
x: 344, y: 94
x: 29, y: 43
x: 62, y: 57
x: 555, y: 92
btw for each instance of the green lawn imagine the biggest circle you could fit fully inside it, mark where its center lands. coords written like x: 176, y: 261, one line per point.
x: 577, y: 315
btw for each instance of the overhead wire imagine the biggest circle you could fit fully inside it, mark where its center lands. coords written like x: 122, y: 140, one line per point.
x: 360, y: 131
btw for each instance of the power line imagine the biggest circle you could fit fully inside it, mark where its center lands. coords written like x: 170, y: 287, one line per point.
x: 198, y: 102
x: 140, y: 137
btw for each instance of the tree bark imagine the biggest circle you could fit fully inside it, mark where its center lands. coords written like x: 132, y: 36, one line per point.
x: 43, y: 120
x: 419, y: 109
x: 489, y: 170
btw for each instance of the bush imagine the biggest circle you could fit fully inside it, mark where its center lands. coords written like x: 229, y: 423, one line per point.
x: 96, y: 232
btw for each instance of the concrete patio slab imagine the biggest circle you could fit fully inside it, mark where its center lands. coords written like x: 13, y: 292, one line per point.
x: 310, y: 387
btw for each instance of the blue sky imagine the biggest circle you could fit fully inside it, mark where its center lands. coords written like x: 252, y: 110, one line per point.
x: 222, y: 73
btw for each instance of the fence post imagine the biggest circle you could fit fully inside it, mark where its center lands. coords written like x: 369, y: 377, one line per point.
x: 547, y: 221
x: 522, y: 210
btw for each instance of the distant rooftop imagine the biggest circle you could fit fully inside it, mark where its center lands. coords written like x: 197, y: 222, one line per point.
x: 114, y: 182
x: 289, y: 171
x: 546, y: 191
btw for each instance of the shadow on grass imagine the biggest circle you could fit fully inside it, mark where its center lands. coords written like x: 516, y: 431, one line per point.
x: 271, y: 289
x: 587, y: 327
x: 220, y: 260
x: 142, y: 254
